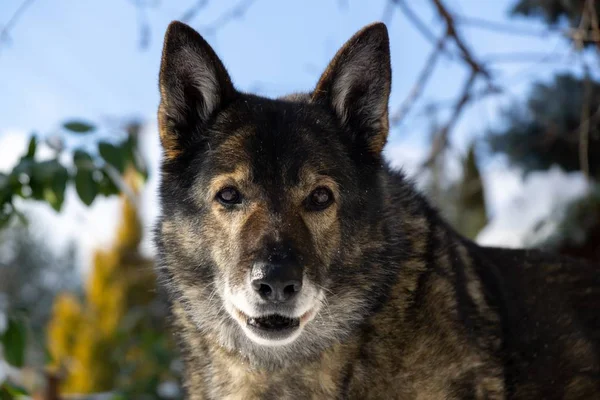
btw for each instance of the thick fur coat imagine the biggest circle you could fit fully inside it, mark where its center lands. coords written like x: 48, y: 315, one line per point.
x: 299, y: 265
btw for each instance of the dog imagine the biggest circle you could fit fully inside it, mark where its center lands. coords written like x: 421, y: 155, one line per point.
x: 300, y: 265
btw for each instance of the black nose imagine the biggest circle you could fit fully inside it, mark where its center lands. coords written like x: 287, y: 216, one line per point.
x: 276, y: 282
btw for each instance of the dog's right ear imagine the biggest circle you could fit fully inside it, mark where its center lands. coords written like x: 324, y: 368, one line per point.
x: 356, y: 86
x: 194, y: 85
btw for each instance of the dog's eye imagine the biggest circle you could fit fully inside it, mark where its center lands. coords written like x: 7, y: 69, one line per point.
x: 229, y: 196
x: 320, y: 199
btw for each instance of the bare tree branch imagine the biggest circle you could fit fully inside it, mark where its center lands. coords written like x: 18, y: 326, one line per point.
x: 476, y: 67
x: 522, y: 57
x: 475, y: 95
x: 584, y: 128
x: 233, y: 13
x: 5, y: 32
x: 418, y: 23
x: 441, y: 141
x: 141, y: 7
x: 500, y: 27
x: 193, y: 11
x: 388, y: 11
x: 417, y: 89
x: 451, y: 31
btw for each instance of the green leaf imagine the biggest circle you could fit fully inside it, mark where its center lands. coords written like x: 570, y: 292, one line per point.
x: 13, y: 341
x: 5, y: 216
x: 49, y: 181
x: 78, y: 126
x: 82, y: 159
x: 31, y: 148
x: 44, y: 171
x: 37, y: 190
x: 58, y: 187
x: 113, y: 155
x: 20, y: 177
x: 4, y: 182
x: 86, y: 187
x: 12, y: 391
x: 5, y: 189
x: 25, y: 167
x: 106, y: 186
x: 130, y: 146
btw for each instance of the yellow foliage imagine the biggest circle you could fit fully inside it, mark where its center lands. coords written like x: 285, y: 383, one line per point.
x: 82, y: 337
x: 62, y: 331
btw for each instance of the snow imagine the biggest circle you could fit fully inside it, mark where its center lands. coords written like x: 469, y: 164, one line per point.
x: 520, y: 205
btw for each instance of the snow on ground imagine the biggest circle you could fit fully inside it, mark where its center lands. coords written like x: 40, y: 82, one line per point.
x: 520, y: 205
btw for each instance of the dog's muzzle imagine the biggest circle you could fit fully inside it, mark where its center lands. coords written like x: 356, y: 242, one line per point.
x: 276, y: 283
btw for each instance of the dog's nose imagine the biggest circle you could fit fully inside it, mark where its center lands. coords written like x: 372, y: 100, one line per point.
x: 277, y: 283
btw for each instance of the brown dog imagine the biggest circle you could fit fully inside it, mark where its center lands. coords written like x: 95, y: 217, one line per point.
x: 300, y: 266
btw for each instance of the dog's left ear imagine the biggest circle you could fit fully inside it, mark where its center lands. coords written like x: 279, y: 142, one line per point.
x: 356, y: 85
x: 194, y: 86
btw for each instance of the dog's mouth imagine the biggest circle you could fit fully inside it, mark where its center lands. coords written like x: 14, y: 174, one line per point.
x: 273, y: 323
x: 273, y: 329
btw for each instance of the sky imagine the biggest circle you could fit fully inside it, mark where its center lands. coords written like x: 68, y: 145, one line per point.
x: 81, y: 59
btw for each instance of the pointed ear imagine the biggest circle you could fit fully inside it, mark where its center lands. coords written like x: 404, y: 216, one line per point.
x: 194, y: 85
x: 356, y: 86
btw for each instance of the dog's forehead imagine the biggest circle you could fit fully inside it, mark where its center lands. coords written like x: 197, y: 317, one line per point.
x: 275, y: 141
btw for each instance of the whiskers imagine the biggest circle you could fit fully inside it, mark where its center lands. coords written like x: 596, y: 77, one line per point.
x: 323, y: 301
x: 214, y: 302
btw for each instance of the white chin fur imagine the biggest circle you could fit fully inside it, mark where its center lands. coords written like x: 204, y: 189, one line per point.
x: 240, y: 309
x: 269, y: 342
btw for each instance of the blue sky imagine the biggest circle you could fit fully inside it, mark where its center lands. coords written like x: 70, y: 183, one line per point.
x: 82, y: 59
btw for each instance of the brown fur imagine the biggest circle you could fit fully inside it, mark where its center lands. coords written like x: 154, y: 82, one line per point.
x: 403, y: 306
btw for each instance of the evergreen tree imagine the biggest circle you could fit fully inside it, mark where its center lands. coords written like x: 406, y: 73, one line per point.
x: 545, y: 130
x: 559, y: 123
x: 114, y: 338
x: 471, y: 213
x: 558, y: 13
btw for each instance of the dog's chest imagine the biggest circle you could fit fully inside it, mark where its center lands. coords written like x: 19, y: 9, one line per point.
x: 350, y: 377
x: 240, y: 381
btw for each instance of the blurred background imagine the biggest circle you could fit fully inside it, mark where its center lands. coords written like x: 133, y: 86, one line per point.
x: 495, y: 113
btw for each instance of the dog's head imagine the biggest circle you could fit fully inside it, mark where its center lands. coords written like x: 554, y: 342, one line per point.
x: 268, y: 206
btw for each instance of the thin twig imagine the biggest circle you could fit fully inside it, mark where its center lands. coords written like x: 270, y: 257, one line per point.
x: 388, y: 12
x: 441, y: 141
x: 451, y: 30
x: 500, y: 27
x: 419, y: 24
x: 584, y: 129
x: 579, y: 34
x: 594, y: 24
x: 417, y: 89
x: 233, y: 13
x: 191, y: 12
x: 448, y: 103
x: 5, y: 32
x: 460, y: 104
x: 522, y: 57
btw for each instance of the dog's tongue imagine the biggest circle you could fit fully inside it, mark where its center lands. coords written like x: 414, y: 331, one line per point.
x: 274, y: 322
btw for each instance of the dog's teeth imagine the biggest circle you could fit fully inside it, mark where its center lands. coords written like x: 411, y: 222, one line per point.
x: 274, y: 322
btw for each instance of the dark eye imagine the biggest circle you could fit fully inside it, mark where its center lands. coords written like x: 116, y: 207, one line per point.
x: 320, y: 199
x: 229, y: 196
